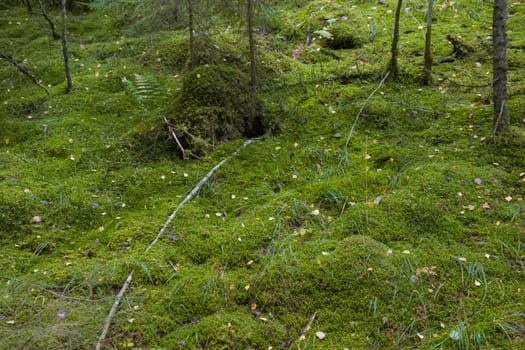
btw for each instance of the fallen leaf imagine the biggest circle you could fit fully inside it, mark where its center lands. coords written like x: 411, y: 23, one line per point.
x: 320, y: 335
x: 378, y: 199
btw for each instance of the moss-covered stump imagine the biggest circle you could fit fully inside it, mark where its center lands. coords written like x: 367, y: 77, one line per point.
x: 216, y: 103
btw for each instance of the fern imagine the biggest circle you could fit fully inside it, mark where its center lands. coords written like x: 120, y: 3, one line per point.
x: 143, y: 88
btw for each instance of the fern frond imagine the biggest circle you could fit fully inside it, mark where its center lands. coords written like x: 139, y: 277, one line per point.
x: 144, y: 88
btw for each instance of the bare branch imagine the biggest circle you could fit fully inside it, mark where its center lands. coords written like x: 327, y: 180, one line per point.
x: 23, y: 70
x: 114, y: 310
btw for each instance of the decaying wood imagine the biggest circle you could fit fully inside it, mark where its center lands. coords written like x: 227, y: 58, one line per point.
x: 23, y: 70
x: 113, y: 310
x: 459, y: 50
x: 171, y: 130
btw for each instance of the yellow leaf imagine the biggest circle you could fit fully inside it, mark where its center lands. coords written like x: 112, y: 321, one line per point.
x: 7, y: 141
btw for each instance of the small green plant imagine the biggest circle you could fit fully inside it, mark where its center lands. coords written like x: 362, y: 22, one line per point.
x: 144, y: 88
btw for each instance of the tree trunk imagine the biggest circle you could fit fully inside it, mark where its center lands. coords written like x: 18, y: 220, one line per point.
x: 499, y: 38
x: 249, y: 17
x: 393, y: 67
x: 427, y: 73
x: 192, y: 34
x: 27, y: 3
x: 64, y: 49
x: 48, y: 20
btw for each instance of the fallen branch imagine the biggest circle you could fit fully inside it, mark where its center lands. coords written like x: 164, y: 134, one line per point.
x: 193, y: 193
x: 23, y: 70
x: 174, y: 135
x: 114, y: 310
x: 352, y: 130
x: 126, y: 284
x: 302, y: 336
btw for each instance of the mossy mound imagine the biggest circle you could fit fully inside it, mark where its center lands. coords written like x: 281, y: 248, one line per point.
x: 357, y: 260
x: 347, y: 33
x: 337, y: 25
x: 175, y: 53
x: 216, y: 103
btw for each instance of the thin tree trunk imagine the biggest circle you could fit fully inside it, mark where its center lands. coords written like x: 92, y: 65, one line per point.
x: 427, y: 73
x: 393, y: 67
x: 48, y: 20
x: 27, y: 3
x: 501, y: 113
x: 249, y: 17
x: 192, y: 34
x: 22, y: 70
x: 64, y: 49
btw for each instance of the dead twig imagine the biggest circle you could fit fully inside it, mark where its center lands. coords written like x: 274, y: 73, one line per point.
x: 44, y: 14
x: 171, y: 130
x: 23, y: 70
x: 113, y: 310
x: 308, y: 326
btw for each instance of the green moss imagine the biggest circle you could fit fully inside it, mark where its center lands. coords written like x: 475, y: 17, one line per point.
x: 410, y: 237
x: 210, y: 109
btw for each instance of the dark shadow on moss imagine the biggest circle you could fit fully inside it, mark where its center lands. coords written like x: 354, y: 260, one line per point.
x: 215, y: 104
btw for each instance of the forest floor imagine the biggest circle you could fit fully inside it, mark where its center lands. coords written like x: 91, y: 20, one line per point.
x: 408, y: 234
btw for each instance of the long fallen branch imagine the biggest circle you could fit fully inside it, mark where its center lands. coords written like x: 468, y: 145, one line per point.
x: 23, y: 70
x: 352, y: 130
x: 113, y: 310
x: 186, y: 199
x: 194, y: 192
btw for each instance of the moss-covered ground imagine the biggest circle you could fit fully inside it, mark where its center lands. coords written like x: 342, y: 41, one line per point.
x: 410, y: 237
